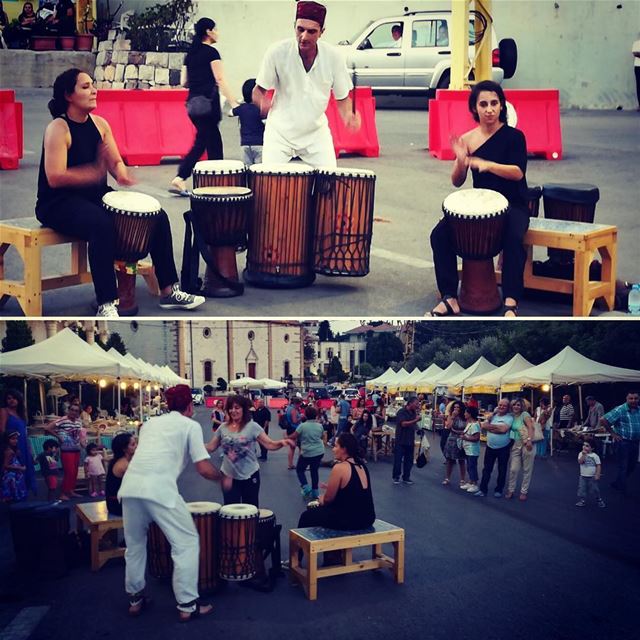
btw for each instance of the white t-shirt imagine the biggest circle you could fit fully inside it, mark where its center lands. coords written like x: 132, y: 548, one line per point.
x: 635, y: 49
x: 301, y: 97
x: 588, y: 467
x: 167, y: 444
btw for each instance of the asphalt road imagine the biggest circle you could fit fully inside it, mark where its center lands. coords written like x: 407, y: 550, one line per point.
x: 475, y: 568
x: 599, y: 147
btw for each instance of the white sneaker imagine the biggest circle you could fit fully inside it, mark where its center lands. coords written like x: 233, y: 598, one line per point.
x: 178, y: 299
x: 472, y: 488
x: 107, y: 310
x: 464, y: 486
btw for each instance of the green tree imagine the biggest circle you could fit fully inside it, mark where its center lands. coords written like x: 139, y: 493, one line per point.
x: 384, y: 348
x: 335, y: 372
x: 309, y: 353
x: 324, y: 331
x: 115, y: 341
x: 18, y: 336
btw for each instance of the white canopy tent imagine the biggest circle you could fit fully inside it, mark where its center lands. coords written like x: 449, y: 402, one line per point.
x: 423, y: 383
x: 381, y: 380
x: 267, y: 383
x: 491, y: 381
x: 480, y: 366
x: 245, y: 381
x: 399, y: 384
x: 453, y: 370
x: 409, y: 383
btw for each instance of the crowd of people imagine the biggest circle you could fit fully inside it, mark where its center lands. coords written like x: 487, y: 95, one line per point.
x: 49, y: 18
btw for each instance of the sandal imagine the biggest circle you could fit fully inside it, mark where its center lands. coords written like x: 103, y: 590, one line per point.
x: 513, y: 308
x: 445, y: 481
x: 200, y: 611
x: 449, y: 309
x: 137, y: 604
x: 178, y: 192
x: 508, y: 495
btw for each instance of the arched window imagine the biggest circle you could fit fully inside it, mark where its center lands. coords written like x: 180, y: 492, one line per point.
x: 208, y: 371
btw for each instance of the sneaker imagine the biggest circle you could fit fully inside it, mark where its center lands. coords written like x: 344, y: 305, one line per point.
x: 473, y: 488
x: 305, y: 491
x: 178, y: 299
x: 465, y: 486
x: 479, y: 494
x: 497, y: 494
x: 601, y: 504
x: 94, y: 494
x: 408, y: 482
x: 396, y: 481
x: 107, y: 310
x: 581, y: 503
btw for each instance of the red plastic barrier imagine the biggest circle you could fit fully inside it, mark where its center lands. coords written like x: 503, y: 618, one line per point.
x: 363, y: 142
x: 147, y: 125
x: 11, y: 130
x: 538, y: 112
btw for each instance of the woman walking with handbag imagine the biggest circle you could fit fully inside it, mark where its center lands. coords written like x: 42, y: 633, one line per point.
x: 203, y: 75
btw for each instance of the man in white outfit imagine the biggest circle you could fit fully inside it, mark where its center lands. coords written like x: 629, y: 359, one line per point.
x: 149, y: 492
x: 303, y: 71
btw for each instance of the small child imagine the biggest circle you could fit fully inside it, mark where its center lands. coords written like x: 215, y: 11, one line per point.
x: 94, y: 470
x: 471, y: 445
x: 13, y: 487
x: 590, y: 469
x: 251, y: 125
x: 50, y: 466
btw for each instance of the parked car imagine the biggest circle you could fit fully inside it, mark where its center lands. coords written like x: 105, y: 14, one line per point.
x: 410, y: 54
x: 197, y: 395
x: 351, y: 394
x: 394, y: 407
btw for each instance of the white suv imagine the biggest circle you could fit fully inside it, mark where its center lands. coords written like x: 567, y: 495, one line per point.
x: 410, y: 54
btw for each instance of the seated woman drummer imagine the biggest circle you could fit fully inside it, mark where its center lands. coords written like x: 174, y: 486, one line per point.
x: 78, y: 151
x: 497, y: 156
x: 347, y: 503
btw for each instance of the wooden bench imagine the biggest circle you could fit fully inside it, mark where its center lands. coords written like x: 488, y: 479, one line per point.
x: 28, y: 236
x: 315, y: 540
x: 584, y: 239
x: 99, y: 521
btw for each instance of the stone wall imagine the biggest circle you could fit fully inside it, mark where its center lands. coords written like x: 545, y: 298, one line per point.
x: 118, y: 67
x: 20, y: 68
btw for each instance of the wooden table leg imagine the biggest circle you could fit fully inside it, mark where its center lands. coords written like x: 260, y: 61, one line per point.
x: 95, y: 549
x: 581, y: 303
x: 608, y: 274
x: 398, y: 565
x: 311, y: 586
x: 376, y: 551
x: 32, y: 303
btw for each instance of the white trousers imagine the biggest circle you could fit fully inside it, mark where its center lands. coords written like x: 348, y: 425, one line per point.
x: 320, y: 153
x: 179, y: 529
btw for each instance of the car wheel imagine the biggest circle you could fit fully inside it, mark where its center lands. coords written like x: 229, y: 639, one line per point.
x: 508, y: 57
x: 445, y: 80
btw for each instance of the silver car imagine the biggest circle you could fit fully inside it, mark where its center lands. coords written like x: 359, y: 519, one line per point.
x: 410, y: 54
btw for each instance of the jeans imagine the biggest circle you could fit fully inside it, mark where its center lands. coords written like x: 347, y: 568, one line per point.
x: 343, y: 425
x: 444, y: 436
x: 251, y: 154
x: 490, y: 457
x: 542, y: 447
x: 402, y: 457
x: 514, y: 256
x: 207, y: 137
x: 626, y: 459
x: 314, y: 464
x: 472, y: 468
x: 245, y: 491
x: 587, y: 485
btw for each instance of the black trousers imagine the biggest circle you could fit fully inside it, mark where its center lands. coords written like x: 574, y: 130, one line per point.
x: 207, y: 137
x: 83, y: 218
x: 244, y: 491
x: 513, y: 260
x: 490, y: 457
x: 637, y: 72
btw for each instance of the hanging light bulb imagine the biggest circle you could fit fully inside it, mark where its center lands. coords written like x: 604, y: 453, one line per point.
x: 147, y: 388
x: 545, y: 387
x: 123, y: 385
x: 102, y: 383
x: 136, y: 386
x: 156, y: 387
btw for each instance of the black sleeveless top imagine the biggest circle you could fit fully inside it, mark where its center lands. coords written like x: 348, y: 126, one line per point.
x: 111, y: 487
x: 352, y: 508
x: 85, y: 141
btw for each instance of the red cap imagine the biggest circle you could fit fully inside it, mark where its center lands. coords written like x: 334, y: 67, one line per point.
x: 178, y: 397
x: 311, y: 11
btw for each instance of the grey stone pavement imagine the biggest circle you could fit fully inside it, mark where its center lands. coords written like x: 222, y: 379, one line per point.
x: 600, y: 147
x: 475, y: 568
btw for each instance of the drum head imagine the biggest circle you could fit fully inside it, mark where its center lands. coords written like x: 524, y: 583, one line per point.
x: 219, y: 166
x: 290, y: 168
x: 475, y: 203
x: 265, y: 514
x: 345, y: 171
x: 222, y: 192
x: 131, y: 201
x: 238, y: 511
x: 203, y: 507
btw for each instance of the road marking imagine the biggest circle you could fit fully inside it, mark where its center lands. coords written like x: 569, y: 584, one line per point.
x: 21, y: 627
x: 402, y: 259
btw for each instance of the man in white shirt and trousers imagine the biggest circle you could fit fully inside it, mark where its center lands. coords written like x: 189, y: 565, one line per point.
x: 149, y: 493
x: 303, y: 71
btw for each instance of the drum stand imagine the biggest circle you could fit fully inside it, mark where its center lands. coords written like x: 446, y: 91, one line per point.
x: 479, y: 290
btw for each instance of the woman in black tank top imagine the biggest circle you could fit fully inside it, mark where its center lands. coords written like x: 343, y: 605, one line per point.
x: 347, y: 504
x: 124, y: 446
x: 78, y: 151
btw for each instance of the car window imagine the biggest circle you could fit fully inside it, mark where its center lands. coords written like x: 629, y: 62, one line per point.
x: 384, y: 36
x: 423, y: 34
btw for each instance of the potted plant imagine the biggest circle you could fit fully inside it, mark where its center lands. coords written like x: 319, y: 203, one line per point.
x: 84, y: 39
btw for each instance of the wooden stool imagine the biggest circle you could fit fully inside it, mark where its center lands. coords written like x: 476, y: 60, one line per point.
x: 28, y: 237
x: 315, y: 540
x: 99, y: 521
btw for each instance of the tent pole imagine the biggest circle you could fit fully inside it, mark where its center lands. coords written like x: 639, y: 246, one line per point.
x: 26, y: 406
x: 99, y: 397
x: 552, y: 412
x: 140, y: 402
x: 42, y: 398
x: 119, y: 396
x: 580, y: 401
x: 80, y: 392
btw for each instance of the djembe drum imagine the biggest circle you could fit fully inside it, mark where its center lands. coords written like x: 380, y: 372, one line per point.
x: 281, y: 228
x: 220, y: 217
x: 134, y: 216
x: 205, y: 518
x: 265, y: 533
x: 343, y: 221
x: 571, y: 202
x: 237, y: 551
x: 476, y: 221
